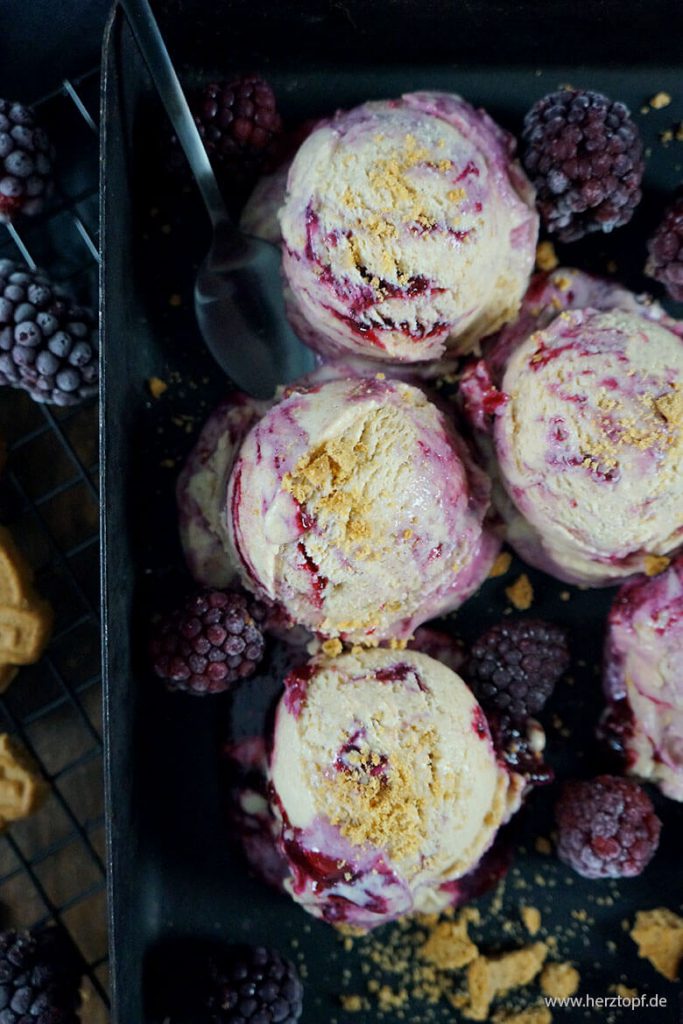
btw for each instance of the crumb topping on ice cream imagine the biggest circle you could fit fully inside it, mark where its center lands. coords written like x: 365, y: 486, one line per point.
x: 355, y: 506
x: 384, y: 772
x: 585, y: 416
x: 408, y: 229
x: 389, y: 802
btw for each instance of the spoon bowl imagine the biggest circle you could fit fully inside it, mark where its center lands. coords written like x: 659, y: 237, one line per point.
x: 239, y: 301
x: 240, y: 310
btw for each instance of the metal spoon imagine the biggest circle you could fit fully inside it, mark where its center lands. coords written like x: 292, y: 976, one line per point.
x: 238, y: 293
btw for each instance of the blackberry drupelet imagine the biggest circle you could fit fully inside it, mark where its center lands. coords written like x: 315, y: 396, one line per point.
x: 254, y: 985
x: 26, y: 158
x: 665, y: 251
x: 39, y: 979
x: 48, y: 345
x: 584, y: 156
x: 607, y: 827
x: 208, y: 644
x: 514, y: 666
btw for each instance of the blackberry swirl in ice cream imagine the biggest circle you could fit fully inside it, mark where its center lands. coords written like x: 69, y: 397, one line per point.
x: 644, y: 678
x: 579, y: 407
x: 385, y: 786
x: 355, y: 506
x: 408, y: 230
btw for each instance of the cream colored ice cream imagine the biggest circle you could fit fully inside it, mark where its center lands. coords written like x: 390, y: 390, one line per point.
x: 354, y: 505
x: 644, y: 678
x: 408, y: 230
x: 200, y: 492
x: 385, y: 784
x: 586, y: 425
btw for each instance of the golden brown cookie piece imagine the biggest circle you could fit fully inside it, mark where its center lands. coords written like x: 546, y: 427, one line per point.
x: 559, y: 981
x: 22, y: 790
x: 489, y: 977
x: 25, y: 618
x: 449, y: 946
x: 658, y: 934
x: 532, y: 1015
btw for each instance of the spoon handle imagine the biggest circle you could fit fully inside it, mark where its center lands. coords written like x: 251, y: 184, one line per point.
x: 153, y: 49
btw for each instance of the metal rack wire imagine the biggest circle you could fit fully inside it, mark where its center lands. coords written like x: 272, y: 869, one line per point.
x: 52, y: 865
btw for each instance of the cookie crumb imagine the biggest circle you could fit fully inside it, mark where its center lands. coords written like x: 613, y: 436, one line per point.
x: 449, y: 945
x: 531, y: 917
x: 532, y: 1015
x: 624, y: 991
x: 488, y: 977
x: 332, y: 647
x: 391, y: 999
x: 175, y: 300
x: 559, y: 981
x: 396, y: 644
x: 501, y: 564
x: 546, y: 257
x: 353, y: 1003
x: 521, y: 593
x: 660, y: 100
x: 543, y: 845
x: 157, y: 386
x: 565, y: 595
x: 658, y: 934
x: 654, y: 564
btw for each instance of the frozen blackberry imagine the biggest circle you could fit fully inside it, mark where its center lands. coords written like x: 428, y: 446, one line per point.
x: 254, y: 985
x: 209, y: 643
x: 514, y: 666
x: 584, y: 155
x: 241, y: 128
x: 665, y: 249
x: 48, y: 345
x: 26, y: 158
x: 607, y: 827
x: 39, y: 979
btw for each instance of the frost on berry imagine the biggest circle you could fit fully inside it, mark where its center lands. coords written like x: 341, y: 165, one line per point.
x: 584, y: 155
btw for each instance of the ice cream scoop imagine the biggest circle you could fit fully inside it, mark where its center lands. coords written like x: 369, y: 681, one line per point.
x: 644, y: 678
x: 385, y: 785
x: 200, y: 491
x: 581, y: 413
x: 408, y: 230
x: 355, y: 506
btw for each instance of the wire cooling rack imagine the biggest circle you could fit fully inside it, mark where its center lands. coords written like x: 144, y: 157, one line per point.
x: 52, y: 865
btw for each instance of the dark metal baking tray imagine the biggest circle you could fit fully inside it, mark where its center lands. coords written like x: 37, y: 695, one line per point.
x: 173, y: 875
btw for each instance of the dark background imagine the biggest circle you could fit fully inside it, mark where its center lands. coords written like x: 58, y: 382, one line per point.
x: 43, y: 41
